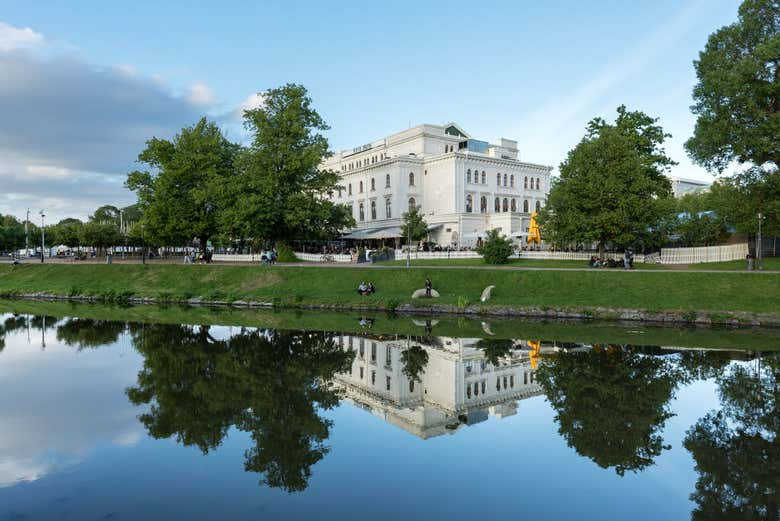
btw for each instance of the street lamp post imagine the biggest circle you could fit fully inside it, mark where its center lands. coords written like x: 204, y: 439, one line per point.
x: 27, y: 234
x: 758, y: 241
x: 43, y: 235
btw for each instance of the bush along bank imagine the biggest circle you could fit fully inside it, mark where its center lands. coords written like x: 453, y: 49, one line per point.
x: 701, y: 298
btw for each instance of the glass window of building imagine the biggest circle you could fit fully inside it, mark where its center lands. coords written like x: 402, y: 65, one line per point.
x: 505, y: 179
x: 362, y: 212
x: 411, y: 178
x: 469, y: 203
x: 387, y: 181
x: 412, y: 204
x: 525, y: 182
x: 411, y: 386
x: 373, y: 184
x: 483, y: 204
x: 468, y: 176
x: 373, y: 209
x: 538, y: 206
x: 537, y: 183
x: 497, y: 205
x: 361, y: 187
x: 349, y: 189
x: 373, y: 352
x: 525, y: 206
x: 484, y: 178
x: 512, y: 180
x: 388, y: 208
x: 506, y: 204
x: 514, y: 205
x: 498, y: 179
x: 387, y: 383
x: 373, y: 377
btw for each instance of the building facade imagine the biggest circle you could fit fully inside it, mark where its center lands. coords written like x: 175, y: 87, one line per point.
x: 463, y: 186
x: 682, y: 186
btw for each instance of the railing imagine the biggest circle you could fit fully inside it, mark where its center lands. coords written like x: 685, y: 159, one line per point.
x: 727, y: 252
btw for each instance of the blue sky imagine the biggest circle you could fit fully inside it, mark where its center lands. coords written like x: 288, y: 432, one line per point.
x: 83, y: 84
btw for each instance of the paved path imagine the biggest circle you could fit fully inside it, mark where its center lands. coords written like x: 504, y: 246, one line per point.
x: 340, y: 265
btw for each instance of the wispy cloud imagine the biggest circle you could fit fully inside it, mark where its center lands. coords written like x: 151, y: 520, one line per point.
x: 12, y: 38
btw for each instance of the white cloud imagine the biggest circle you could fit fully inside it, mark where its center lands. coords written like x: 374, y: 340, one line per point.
x: 12, y: 38
x: 253, y: 101
x: 201, y: 95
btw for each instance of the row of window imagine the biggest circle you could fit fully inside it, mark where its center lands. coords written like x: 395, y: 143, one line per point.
x: 373, y: 184
x: 373, y: 379
x: 363, y: 162
x: 507, y: 180
x: 499, y: 205
x: 480, y: 387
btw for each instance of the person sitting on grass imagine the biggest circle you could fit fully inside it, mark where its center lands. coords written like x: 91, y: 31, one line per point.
x: 371, y: 288
x: 362, y: 289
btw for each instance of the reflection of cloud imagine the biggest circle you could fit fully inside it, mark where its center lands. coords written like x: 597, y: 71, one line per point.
x: 58, y: 404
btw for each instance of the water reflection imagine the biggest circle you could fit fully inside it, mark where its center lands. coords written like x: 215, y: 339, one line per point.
x: 194, y: 383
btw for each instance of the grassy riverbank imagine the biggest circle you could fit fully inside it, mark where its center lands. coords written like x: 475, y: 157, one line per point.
x: 596, y: 332
x: 772, y: 263
x: 298, y: 286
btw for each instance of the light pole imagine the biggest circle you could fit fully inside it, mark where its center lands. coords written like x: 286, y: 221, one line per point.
x: 43, y: 235
x: 27, y: 234
x: 758, y: 241
x: 143, y: 245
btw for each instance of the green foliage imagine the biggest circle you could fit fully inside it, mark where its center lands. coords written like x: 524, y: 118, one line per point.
x: 414, y: 226
x: 462, y: 302
x: 285, y: 253
x: 737, y: 97
x: 736, y: 448
x: 739, y: 199
x: 495, y: 348
x: 279, y: 192
x: 181, y: 196
x: 270, y: 386
x: 414, y: 361
x: 100, y: 235
x: 612, y: 186
x: 611, y: 405
x: 495, y: 249
x: 12, y: 233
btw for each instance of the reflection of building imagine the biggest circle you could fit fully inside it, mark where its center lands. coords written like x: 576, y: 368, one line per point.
x: 464, y: 186
x: 458, y: 386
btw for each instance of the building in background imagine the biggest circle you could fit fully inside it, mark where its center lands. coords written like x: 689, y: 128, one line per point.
x: 682, y: 186
x: 463, y: 186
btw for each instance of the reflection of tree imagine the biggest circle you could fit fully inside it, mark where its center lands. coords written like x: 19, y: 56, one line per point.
x: 270, y: 385
x: 611, y: 404
x: 703, y: 364
x: 736, y: 449
x: 10, y: 325
x: 86, y: 332
x: 414, y: 360
x: 495, y: 348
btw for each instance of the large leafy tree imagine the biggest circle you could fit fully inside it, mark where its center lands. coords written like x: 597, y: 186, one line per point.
x: 279, y: 192
x: 740, y: 198
x: 181, y: 193
x: 736, y: 449
x: 612, y: 186
x: 737, y: 97
x: 611, y: 404
x: 270, y: 384
x: 413, y: 224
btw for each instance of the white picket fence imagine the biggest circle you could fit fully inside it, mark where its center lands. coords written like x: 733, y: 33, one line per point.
x: 667, y: 255
x: 723, y: 253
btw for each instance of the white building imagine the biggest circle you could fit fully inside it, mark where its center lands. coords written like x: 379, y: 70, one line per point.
x: 682, y: 186
x: 463, y: 186
x: 458, y: 387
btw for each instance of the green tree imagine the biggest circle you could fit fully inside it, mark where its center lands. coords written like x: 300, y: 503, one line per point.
x: 106, y: 214
x: 612, y: 186
x: 495, y: 348
x: 413, y: 224
x: 611, y: 404
x: 68, y: 232
x: 739, y: 199
x: 11, y: 233
x: 495, y: 249
x: 737, y: 97
x: 89, y: 333
x: 100, y: 236
x: 414, y: 361
x: 180, y: 198
x: 736, y: 449
x: 279, y: 192
x: 270, y: 384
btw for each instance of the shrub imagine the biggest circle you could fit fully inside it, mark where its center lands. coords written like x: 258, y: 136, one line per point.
x: 285, y: 253
x: 496, y: 249
x: 462, y: 302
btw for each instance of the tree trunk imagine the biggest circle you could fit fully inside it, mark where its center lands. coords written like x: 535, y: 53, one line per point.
x: 601, y: 250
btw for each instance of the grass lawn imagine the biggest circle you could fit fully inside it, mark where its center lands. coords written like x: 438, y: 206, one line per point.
x: 653, y: 291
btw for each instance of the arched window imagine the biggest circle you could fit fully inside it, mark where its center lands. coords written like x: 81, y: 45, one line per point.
x: 525, y: 182
x: 504, y: 179
x: 388, y: 208
x: 362, y: 212
x: 411, y: 178
x: 525, y: 206
x: 498, y: 179
x: 512, y: 180
x: 538, y: 206
x: 468, y: 390
x: 361, y: 187
x: 484, y: 178
x: 387, y: 181
x: 468, y: 175
x: 497, y: 205
x: 373, y: 184
x: 483, y: 204
x: 537, y: 183
x: 483, y: 386
x: 349, y: 189
x: 412, y: 204
x: 373, y: 209
x: 506, y: 204
x: 469, y: 203
x: 411, y: 386
x: 514, y: 205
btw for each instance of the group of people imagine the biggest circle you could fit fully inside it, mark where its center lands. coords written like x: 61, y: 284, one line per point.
x: 268, y: 257
x: 366, y: 289
x: 627, y: 262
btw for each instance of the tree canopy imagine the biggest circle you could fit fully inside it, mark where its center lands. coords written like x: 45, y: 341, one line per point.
x: 496, y: 249
x: 737, y: 97
x: 413, y: 224
x: 279, y: 193
x: 180, y: 196
x: 612, y: 186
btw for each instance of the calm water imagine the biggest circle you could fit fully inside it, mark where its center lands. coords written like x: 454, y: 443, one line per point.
x: 114, y: 420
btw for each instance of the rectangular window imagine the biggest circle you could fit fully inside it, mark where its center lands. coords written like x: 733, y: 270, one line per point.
x: 387, y: 383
